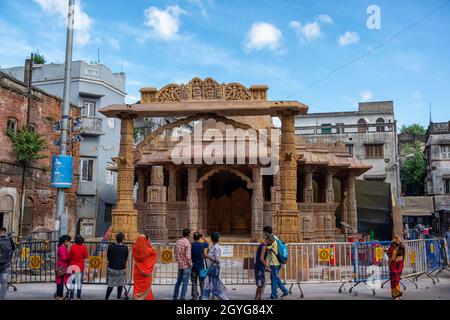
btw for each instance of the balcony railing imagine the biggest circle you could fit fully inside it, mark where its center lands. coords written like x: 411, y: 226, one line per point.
x: 345, y: 129
x: 91, y: 126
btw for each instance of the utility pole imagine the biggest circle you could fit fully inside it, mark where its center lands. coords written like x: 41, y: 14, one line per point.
x: 29, y: 80
x: 61, y: 196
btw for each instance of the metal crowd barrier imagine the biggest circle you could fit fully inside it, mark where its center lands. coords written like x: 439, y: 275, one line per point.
x: 345, y: 263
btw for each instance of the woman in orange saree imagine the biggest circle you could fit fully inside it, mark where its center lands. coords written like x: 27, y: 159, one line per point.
x: 144, y: 256
x: 396, y: 254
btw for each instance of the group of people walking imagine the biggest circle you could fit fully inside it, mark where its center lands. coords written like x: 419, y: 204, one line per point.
x: 199, y: 261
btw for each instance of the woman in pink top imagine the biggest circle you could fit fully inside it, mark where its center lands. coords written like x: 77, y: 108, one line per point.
x: 62, y: 262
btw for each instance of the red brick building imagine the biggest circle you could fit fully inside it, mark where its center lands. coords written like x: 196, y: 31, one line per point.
x: 40, y: 197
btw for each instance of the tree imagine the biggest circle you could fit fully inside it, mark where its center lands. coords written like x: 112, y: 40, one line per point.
x: 413, y: 172
x: 27, y: 145
x: 38, y: 58
x: 415, y: 129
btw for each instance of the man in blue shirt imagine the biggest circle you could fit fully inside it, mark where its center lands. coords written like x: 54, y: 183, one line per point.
x: 198, y: 263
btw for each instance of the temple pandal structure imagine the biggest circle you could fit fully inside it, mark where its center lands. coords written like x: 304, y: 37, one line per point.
x: 314, y: 188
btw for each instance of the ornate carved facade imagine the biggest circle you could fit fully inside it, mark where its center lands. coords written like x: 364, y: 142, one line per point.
x: 313, y: 190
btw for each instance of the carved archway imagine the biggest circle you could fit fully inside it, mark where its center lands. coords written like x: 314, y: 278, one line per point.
x: 212, y: 172
x: 170, y: 126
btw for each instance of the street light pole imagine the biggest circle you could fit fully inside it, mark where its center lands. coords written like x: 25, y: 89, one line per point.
x: 61, y: 196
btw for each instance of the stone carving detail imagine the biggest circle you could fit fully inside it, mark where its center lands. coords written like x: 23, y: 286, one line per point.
x: 236, y: 91
x: 171, y: 93
x: 208, y: 89
x: 157, y: 178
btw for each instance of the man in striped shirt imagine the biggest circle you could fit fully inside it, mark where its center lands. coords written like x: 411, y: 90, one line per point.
x: 184, y: 260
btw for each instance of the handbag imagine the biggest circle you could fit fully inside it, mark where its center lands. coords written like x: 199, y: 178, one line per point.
x: 60, y: 271
x: 204, y: 272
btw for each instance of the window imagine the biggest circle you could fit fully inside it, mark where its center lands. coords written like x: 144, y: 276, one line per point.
x: 326, y: 128
x: 350, y: 149
x: 111, y: 122
x: 12, y: 125
x: 362, y: 126
x: 446, y: 185
x: 87, y: 170
x: 32, y: 128
x: 445, y: 152
x: 340, y: 127
x: 108, y: 212
x: 109, y: 177
x: 89, y: 109
x: 374, y: 150
x: 380, y: 125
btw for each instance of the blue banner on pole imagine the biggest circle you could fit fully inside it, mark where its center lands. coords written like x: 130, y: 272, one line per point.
x: 62, y: 172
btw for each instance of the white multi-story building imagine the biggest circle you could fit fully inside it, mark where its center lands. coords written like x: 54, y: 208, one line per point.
x: 437, y: 153
x: 370, y: 135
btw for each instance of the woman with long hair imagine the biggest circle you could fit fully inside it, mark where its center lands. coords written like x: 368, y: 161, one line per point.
x: 62, y: 263
x: 144, y: 256
x: 78, y: 255
x: 396, y: 254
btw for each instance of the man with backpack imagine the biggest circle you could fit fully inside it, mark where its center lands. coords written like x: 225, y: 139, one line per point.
x: 276, y: 258
x: 6, y: 253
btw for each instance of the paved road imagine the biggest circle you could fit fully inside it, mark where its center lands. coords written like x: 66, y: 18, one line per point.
x: 426, y: 291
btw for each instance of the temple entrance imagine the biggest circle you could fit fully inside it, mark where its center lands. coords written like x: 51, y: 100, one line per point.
x: 229, y: 204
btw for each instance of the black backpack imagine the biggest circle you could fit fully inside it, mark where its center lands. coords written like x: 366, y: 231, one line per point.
x: 6, y: 252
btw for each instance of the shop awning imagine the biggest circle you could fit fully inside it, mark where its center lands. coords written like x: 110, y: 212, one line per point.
x: 418, y: 206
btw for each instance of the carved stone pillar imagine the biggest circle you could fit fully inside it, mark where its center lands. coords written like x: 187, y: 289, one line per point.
x: 124, y: 216
x: 329, y: 187
x: 308, y: 193
x: 257, y: 205
x: 172, y: 190
x: 344, y: 192
x: 192, y: 200
x: 352, y: 209
x: 157, y: 219
x: 141, y: 187
x: 287, y: 219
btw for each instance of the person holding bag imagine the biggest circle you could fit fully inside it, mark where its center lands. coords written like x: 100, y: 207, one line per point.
x: 199, y: 267
x: 62, y: 263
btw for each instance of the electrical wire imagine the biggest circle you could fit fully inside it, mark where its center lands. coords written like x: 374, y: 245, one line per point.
x: 370, y: 51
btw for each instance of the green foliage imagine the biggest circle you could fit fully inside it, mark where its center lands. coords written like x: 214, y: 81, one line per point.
x: 27, y: 145
x: 413, y: 172
x: 38, y: 58
x: 415, y: 128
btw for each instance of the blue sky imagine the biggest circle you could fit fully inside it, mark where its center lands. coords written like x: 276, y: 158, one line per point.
x: 287, y: 45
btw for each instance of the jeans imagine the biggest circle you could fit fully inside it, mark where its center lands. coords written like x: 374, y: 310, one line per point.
x: 183, y: 278
x: 194, y: 278
x: 215, y: 288
x: 276, y: 281
x: 76, y: 280
x: 4, y: 275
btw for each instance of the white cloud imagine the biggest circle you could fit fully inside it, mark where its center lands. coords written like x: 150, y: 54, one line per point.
x: 131, y: 98
x: 203, y: 6
x: 350, y: 99
x: 311, y: 30
x: 348, y: 38
x: 263, y: 35
x: 366, y: 95
x: 324, y: 18
x: 115, y: 44
x: 164, y: 23
x: 83, y: 22
x: 418, y: 99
